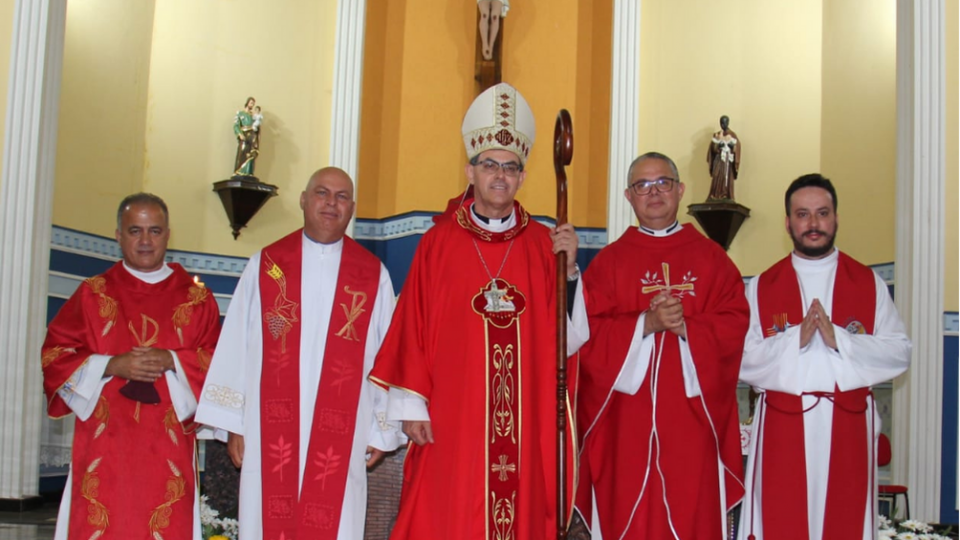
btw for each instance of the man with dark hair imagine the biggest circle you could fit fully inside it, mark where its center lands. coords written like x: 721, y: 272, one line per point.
x: 823, y: 329
x: 657, y: 408
x: 133, y: 468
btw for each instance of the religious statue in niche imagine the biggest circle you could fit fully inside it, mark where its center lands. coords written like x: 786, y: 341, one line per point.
x: 490, y: 13
x: 246, y: 127
x: 723, y: 158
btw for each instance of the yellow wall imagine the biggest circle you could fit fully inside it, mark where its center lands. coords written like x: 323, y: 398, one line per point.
x: 207, y: 58
x: 758, y: 63
x: 858, y: 137
x: 148, y: 98
x: 6, y: 29
x: 417, y: 86
x: 952, y: 198
x: 103, y: 97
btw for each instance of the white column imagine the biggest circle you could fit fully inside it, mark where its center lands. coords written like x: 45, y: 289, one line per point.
x: 347, y: 85
x: 919, y: 253
x: 624, y: 112
x: 26, y: 190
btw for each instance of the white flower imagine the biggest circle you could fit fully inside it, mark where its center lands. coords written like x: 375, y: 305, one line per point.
x: 907, y: 536
x: 914, y: 525
x: 884, y: 522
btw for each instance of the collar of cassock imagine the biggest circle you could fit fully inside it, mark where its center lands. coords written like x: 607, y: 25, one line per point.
x: 320, y: 247
x: 156, y: 276
x: 675, y: 228
x: 493, y: 224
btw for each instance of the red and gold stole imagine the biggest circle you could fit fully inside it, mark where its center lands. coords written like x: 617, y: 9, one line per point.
x: 500, y: 304
x: 315, y: 514
x: 784, y: 496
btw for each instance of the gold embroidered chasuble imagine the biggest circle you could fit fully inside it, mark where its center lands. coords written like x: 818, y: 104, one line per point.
x: 133, y: 464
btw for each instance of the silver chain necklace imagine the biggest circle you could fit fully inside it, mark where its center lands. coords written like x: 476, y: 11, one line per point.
x: 484, y: 263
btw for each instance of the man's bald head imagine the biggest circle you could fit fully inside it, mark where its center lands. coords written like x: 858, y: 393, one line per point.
x: 327, y: 204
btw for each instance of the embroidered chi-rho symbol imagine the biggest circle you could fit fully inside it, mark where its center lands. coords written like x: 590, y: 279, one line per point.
x: 348, y: 331
x: 780, y: 324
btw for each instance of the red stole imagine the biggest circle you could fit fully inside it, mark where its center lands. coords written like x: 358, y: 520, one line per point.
x: 315, y: 514
x: 784, y: 493
x: 500, y: 304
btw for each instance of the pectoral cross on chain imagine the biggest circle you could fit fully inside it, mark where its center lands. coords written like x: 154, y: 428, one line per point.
x: 666, y: 286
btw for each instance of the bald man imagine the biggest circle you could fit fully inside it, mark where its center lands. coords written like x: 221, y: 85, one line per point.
x: 288, y: 380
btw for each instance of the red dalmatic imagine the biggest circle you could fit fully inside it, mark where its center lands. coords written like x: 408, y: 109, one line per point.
x: 133, y: 463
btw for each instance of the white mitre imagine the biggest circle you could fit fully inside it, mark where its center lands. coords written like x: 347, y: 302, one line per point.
x: 499, y: 119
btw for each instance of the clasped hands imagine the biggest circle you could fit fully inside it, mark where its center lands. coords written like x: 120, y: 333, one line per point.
x: 817, y: 320
x: 144, y: 364
x: 665, y: 313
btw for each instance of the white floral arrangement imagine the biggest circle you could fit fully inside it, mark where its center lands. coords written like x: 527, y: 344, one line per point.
x: 907, y: 530
x: 213, y: 526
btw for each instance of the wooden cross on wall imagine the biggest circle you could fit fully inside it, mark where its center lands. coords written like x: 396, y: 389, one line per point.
x: 487, y: 73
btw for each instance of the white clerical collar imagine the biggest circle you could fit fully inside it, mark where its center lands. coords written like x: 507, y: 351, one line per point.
x: 321, y: 248
x: 155, y: 276
x: 675, y: 228
x: 494, y: 225
x: 801, y: 264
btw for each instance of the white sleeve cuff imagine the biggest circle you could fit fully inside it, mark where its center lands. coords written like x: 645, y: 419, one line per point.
x: 402, y: 405
x: 82, y: 391
x: 181, y: 395
x: 691, y: 384
x: 578, y: 328
x: 637, y: 362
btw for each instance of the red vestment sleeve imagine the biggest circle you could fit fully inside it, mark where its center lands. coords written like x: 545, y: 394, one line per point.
x: 195, y: 359
x: 402, y: 361
x: 66, y: 347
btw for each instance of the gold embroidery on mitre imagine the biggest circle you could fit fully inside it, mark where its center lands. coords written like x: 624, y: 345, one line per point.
x: 97, y: 514
x: 176, y: 488
x: 504, y: 515
x: 283, y: 315
x: 655, y: 283
x: 48, y: 356
x: 349, y: 332
x: 107, y: 306
x: 196, y: 296
x: 504, y: 393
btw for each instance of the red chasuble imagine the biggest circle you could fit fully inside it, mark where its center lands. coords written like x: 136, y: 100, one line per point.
x: 310, y: 512
x: 133, y: 464
x: 784, y: 491
x: 621, y: 452
x: 482, y: 353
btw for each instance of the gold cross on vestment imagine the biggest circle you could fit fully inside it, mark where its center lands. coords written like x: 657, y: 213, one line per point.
x: 666, y: 286
x: 503, y: 468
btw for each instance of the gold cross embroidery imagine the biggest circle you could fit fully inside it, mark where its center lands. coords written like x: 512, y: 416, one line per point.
x: 667, y: 286
x: 348, y: 332
x: 503, y: 468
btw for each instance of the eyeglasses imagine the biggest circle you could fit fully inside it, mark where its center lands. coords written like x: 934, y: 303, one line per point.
x: 510, y: 168
x: 643, y: 187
